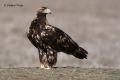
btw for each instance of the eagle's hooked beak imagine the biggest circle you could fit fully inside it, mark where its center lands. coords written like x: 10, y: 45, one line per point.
x: 47, y: 11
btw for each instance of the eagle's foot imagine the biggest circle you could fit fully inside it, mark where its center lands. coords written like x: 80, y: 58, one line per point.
x: 45, y: 67
x: 42, y: 66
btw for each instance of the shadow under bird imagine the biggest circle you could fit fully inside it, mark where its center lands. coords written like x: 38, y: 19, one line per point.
x: 50, y: 40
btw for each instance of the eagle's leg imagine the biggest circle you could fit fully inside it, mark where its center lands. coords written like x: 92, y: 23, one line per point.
x: 51, y: 57
x: 44, y: 59
x: 47, y: 59
x: 41, y: 53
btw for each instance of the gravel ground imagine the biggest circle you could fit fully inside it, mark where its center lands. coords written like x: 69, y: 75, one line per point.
x: 64, y: 73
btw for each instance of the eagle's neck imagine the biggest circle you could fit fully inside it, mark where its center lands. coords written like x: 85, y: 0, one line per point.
x: 42, y: 19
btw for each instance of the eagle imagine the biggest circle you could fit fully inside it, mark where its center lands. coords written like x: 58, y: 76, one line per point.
x: 49, y: 40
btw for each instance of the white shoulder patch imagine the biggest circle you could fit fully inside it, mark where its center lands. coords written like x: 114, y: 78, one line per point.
x: 49, y: 27
x: 38, y: 36
x: 42, y: 33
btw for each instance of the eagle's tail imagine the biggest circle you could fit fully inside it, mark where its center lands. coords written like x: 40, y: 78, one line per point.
x: 80, y: 53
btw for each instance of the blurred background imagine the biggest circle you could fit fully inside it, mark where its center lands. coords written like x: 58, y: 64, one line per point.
x: 93, y: 24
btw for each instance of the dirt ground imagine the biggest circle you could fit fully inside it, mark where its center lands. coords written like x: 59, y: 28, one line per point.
x: 64, y: 73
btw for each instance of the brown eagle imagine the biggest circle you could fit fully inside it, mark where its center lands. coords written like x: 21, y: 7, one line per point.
x: 50, y: 40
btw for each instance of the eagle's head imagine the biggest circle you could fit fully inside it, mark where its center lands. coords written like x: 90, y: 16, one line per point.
x: 43, y: 11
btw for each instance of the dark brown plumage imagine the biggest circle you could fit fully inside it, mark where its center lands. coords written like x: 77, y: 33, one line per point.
x: 49, y: 40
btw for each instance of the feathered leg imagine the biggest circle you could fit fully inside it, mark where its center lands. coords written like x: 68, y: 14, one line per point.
x: 40, y: 52
x: 51, y: 57
x: 44, y: 59
x: 48, y: 59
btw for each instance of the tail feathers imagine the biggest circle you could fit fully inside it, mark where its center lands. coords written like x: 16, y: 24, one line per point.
x: 80, y: 53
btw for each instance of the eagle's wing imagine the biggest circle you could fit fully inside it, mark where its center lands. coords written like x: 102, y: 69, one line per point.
x: 65, y: 44
x: 58, y: 40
